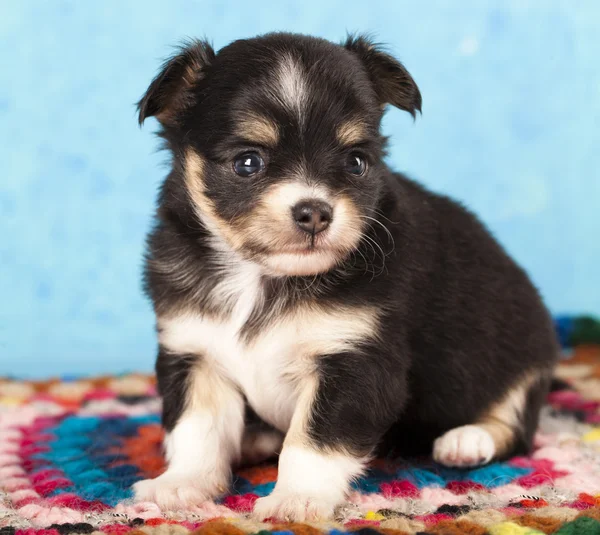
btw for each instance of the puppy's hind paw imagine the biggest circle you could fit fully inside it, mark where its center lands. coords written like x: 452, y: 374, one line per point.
x: 466, y: 446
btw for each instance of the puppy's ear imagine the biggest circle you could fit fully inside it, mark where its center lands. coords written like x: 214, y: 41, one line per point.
x: 172, y: 90
x: 393, y: 84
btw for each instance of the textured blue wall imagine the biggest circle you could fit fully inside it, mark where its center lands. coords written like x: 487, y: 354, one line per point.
x: 511, y: 126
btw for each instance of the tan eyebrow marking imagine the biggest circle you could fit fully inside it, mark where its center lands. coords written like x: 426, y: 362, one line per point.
x: 259, y: 129
x: 352, y: 132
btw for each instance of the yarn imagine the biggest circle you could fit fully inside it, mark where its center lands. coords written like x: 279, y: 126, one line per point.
x: 461, y: 527
x: 510, y: 528
x: 540, y: 523
x: 70, y: 451
x: 585, y: 330
x: 580, y: 526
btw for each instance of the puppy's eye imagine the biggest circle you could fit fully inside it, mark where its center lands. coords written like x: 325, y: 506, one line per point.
x: 356, y: 164
x: 248, y: 164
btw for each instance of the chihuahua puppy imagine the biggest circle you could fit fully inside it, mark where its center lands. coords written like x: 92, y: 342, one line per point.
x: 310, y: 301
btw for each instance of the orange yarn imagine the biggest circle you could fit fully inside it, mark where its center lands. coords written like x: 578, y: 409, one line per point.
x: 298, y: 529
x: 584, y: 354
x: 594, y: 513
x: 541, y: 523
x: 257, y: 475
x: 389, y: 531
x: 218, y: 528
x: 145, y: 450
x: 458, y: 527
x: 534, y: 504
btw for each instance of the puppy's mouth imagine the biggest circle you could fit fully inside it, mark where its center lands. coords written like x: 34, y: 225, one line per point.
x: 301, y: 261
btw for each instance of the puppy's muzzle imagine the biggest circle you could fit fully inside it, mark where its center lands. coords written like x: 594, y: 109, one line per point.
x: 312, y: 216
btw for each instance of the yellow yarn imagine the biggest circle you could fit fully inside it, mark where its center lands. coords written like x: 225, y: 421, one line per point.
x: 592, y: 436
x: 372, y: 515
x: 11, y: 401
x: 510, y: 528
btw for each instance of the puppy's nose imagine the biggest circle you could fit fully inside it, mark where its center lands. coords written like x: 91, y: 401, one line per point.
x: 312, y: 216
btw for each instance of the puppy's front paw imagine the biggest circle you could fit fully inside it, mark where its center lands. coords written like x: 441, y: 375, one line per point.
x: 469, y: 445
x: 176, y: 491
x: 294, y: 507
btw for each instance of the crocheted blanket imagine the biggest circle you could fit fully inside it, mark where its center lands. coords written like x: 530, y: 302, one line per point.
x: 71, y: 449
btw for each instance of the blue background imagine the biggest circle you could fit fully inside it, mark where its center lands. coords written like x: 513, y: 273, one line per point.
x: 511, y: 126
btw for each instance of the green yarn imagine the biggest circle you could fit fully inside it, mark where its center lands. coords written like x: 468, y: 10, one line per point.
x: 586, y: 330
x: 582, y: 526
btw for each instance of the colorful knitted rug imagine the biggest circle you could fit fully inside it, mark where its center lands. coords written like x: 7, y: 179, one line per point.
x: 71, y: 449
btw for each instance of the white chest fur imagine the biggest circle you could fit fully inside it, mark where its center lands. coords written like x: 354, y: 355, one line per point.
x: 271, y: 366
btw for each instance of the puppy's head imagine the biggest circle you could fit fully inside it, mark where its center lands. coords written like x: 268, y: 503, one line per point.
x: 276, y: 143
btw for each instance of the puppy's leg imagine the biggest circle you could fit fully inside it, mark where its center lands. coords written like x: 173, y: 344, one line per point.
x: 507, y: 426
x: 203, y: 415
x: 341, y: 414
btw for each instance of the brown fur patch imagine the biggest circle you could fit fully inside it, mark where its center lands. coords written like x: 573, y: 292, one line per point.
x: 352, y: 132
x: 194, y: 181
x: 258, y: 129
x: 502, y: 420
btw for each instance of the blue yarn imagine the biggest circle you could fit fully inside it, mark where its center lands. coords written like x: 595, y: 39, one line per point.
x: 371, y: 481
x: 492, y: 475
x: 421, y: 477
x: 106, y: 492
x: 125, y: 470
x: 120, y: 427
x: 564, y: 326
x: 76, y: 466
x: 264, y: 490
x: 497, y: 474
x: 59, y: 455
x: 146, y: 420
x: 284, y: 533
x: 109, y: 458
x: 241, y: 486
x: 337, y: 532
x: 81, y: 442
x: 69, y: 378
x: 74, y: 425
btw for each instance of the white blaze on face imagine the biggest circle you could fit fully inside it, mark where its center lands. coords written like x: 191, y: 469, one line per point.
x: 291, y: 87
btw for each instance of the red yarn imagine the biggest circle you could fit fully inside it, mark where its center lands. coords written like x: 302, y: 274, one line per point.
x: 116, y: 529
x: 43, y: 475
x: 431, y: 520
x: 462, y: 487
x: 400, y: 488
x: 100, y: 394
x: 155, y: 521
x: 534, y: 504
x: 51, y: 485
x: 29, y: 450
x: 356, y: 522
x: 241, y: 502
x: 72, y: 501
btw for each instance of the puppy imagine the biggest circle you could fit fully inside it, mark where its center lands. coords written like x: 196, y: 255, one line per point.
x: 309, y: 300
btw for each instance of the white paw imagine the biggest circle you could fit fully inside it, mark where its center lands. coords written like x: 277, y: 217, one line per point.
x: 294, y: 507
x: 176, y: 491
x: 469, y: 445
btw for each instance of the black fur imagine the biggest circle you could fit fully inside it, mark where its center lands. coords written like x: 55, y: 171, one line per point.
x: 172, y: 372
x: 461, y: 321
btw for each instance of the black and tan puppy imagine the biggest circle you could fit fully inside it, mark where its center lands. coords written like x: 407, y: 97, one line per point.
x: 299, y: 282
